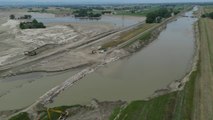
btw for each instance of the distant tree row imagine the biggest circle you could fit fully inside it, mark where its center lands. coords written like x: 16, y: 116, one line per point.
x: 86, y: 13
x: 26, y: 17
x: 43, y: 10
x: 176, y: 12
x: 157, y: 15
x: 107, y: 12
x: 31, y: 25
x: 209, y: 15
x: 22, y: 17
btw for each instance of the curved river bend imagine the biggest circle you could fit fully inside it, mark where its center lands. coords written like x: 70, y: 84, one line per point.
x: 166, y: 59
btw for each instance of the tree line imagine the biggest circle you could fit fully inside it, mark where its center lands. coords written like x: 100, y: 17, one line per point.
x: 12, y: 16
x: 157, y: 15
x: 31, y: 25
x: 86, y: 13
x: 208, y: 15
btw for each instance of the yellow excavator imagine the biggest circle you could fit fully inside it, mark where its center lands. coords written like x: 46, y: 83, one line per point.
x: 63, y: 115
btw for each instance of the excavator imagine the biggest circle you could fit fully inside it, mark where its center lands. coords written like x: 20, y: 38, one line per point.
x: 63, y: 115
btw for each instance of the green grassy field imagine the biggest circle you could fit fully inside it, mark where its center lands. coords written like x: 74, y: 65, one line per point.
x: 21, y: 116
x: 144, y: 12
x: 128, y: 35
x: 141, y: 13
x: 203, y: 107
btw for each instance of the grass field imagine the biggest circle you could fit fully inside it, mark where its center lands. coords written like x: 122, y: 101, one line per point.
x: 204, y: 86
x: 145, y: 11
x: 21, y: 116
x: 127, y: 35
x: 139, y: 12
x: 208, y: 9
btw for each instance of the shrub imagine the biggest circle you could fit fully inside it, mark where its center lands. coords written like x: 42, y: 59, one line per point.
x: 12, y: 16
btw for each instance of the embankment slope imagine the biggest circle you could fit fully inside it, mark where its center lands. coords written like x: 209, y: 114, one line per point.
x: 204, y: 85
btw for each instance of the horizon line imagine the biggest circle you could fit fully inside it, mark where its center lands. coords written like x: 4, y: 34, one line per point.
x: 18, y: 3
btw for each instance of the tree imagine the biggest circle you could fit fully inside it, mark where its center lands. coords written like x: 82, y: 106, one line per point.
x: 34, y: 21
x: 176, y: 12
x: 156, y: 16
x: 150, y: 17
x: 21, y: 25
x: 86, y: 13
x: 27, y: 16
x: 12, y: 16
x: 204, y: 16
x: 210, y: 15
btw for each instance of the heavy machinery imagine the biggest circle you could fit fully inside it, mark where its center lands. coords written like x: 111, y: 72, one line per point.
x: 30, y: 53
x: 63, y: 115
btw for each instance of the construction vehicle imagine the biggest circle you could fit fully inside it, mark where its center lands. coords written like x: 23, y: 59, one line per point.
x: 63, y: 115
x: 39, y: 49
x: 30, y: 53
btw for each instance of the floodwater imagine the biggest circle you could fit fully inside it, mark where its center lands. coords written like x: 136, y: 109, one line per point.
x: 166, y: 59
x: 117, y: 21
x: 22, y: 90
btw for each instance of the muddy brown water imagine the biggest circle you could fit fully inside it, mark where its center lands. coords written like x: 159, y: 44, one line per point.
x: 21, y: 91
x: 166, y: 59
